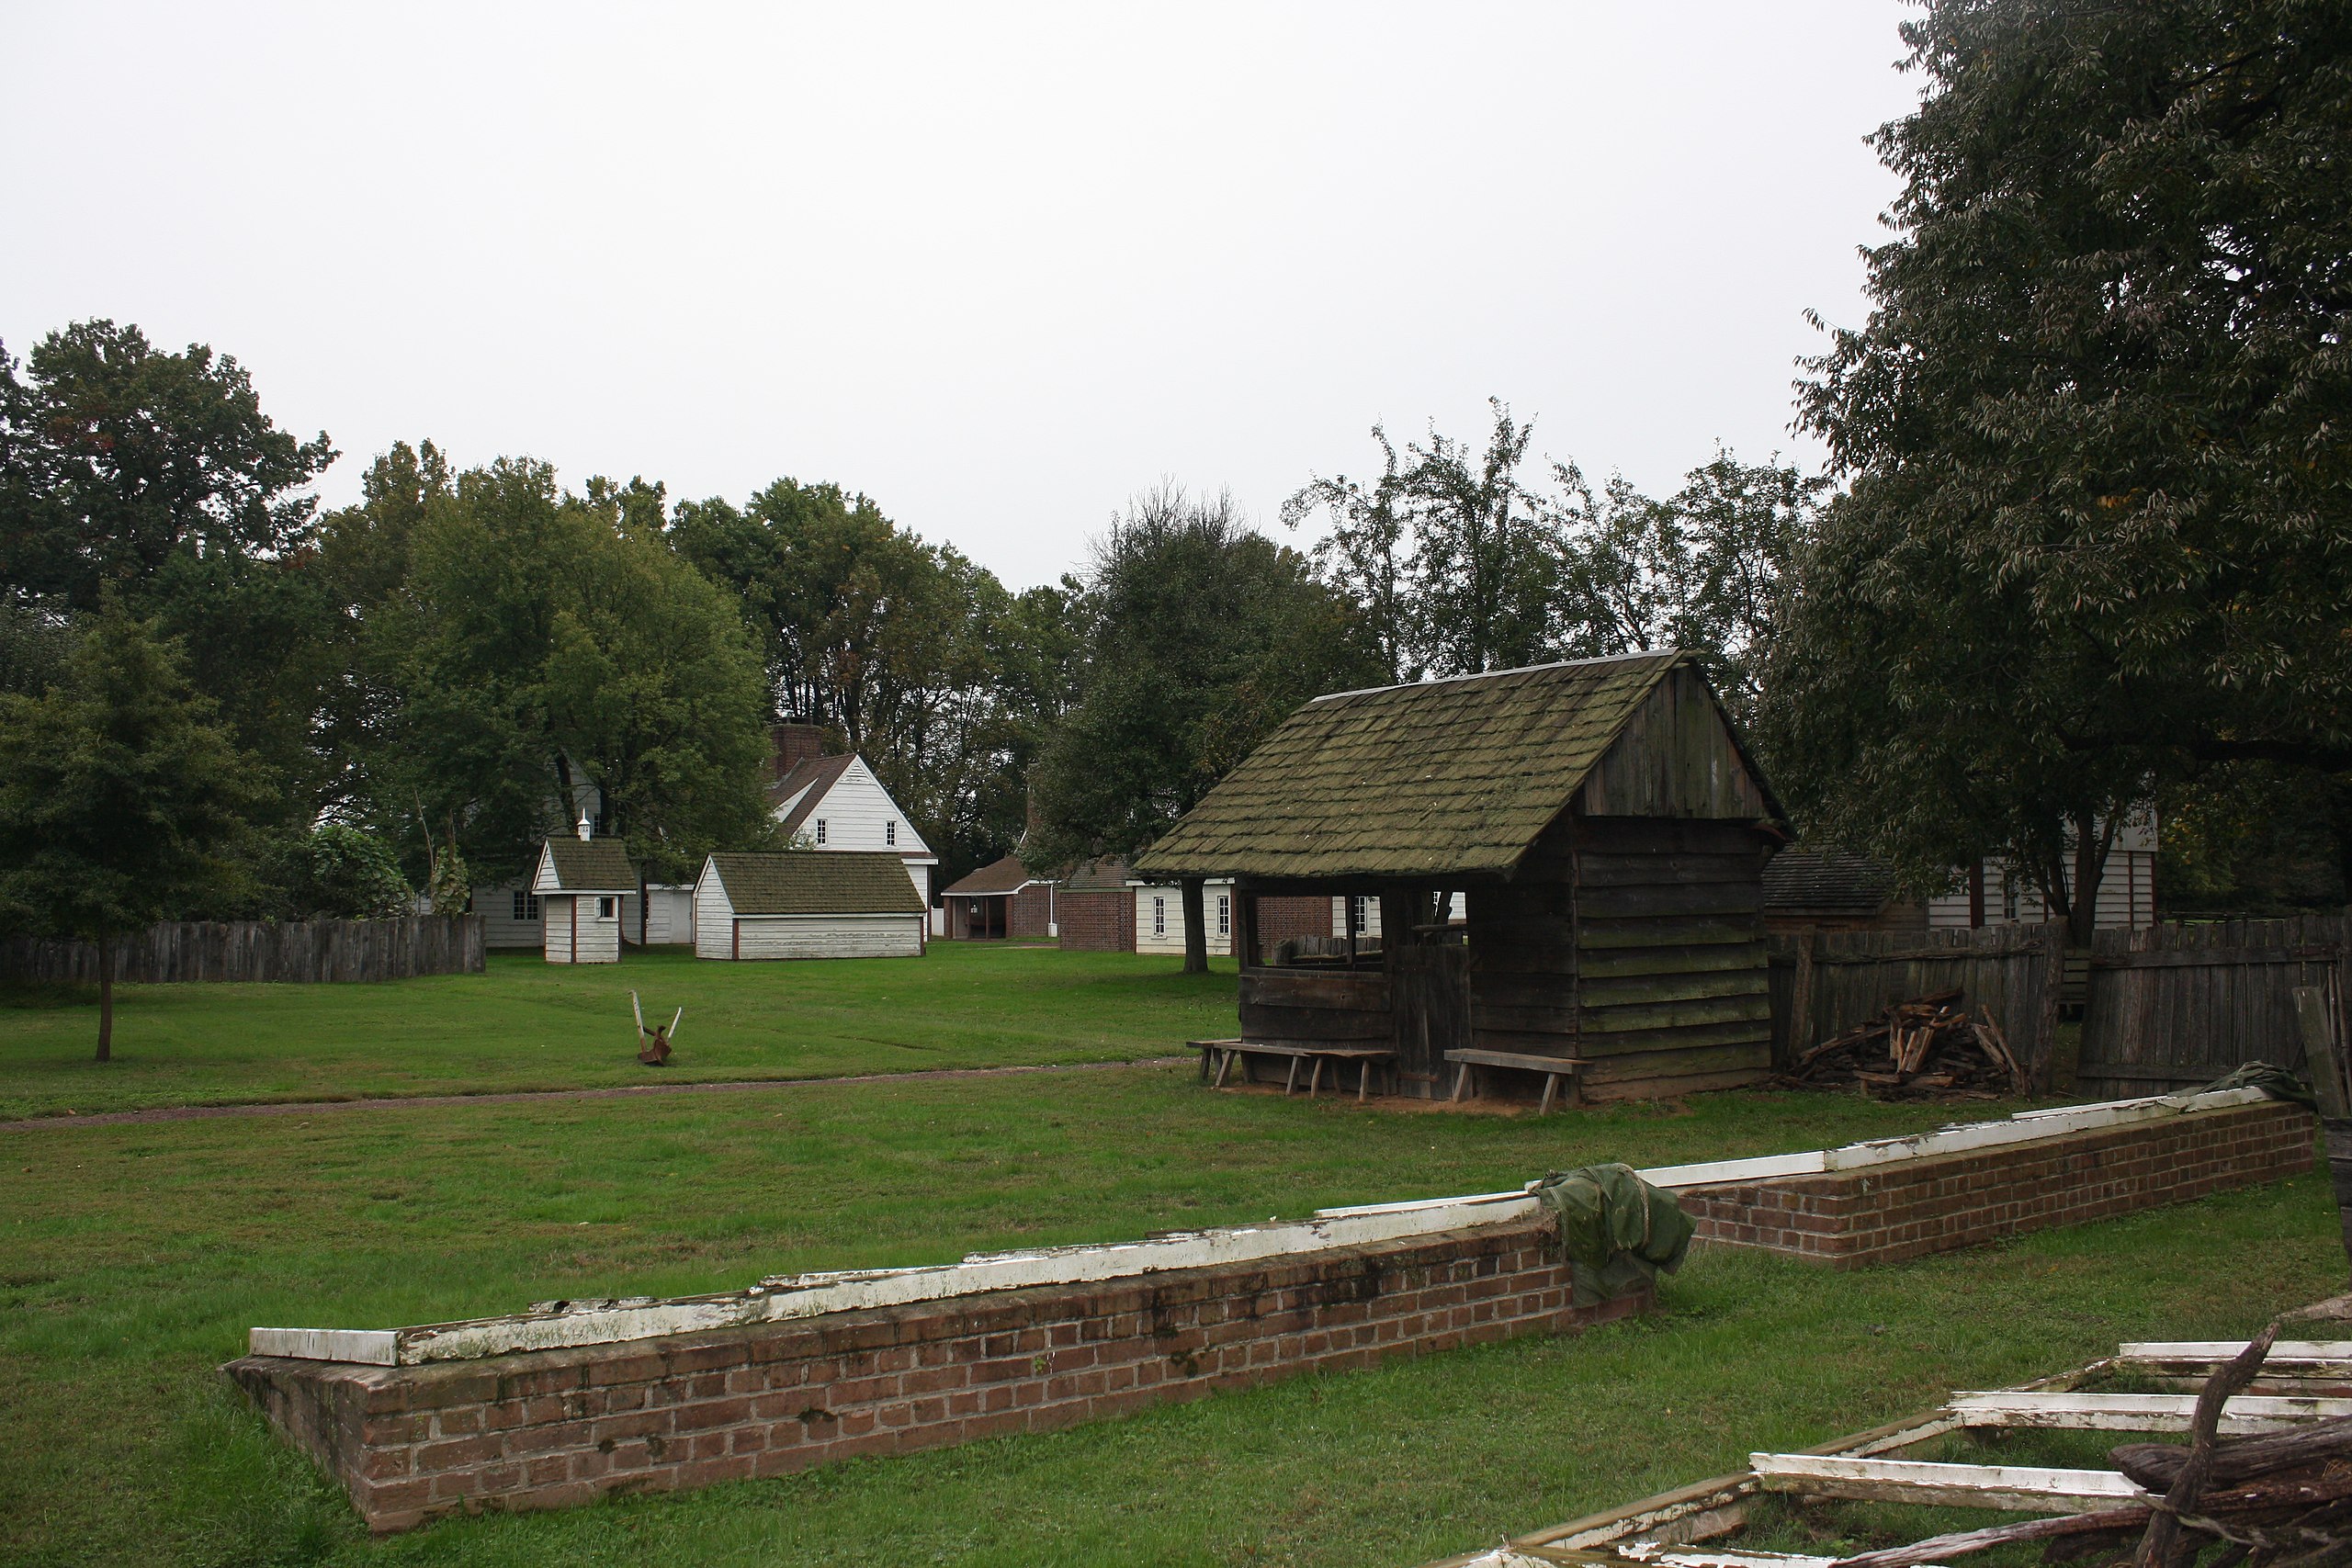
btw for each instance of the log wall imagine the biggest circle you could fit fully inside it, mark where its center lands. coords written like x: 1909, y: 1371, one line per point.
x: 291, y: 951
x: 1318, y: 1006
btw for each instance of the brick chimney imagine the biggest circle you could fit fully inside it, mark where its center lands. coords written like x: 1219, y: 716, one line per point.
x: 796, y: 741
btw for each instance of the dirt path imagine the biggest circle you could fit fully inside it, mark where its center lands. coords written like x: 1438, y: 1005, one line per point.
x: 534, y: 1096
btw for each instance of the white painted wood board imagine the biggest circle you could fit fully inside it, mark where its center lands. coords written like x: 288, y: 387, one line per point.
x: 2138, y: 1412
x: 2022, y: 1488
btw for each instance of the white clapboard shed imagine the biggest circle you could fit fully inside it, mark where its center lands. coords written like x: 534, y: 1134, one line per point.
x: 580, y: 885
x: 802, y: 903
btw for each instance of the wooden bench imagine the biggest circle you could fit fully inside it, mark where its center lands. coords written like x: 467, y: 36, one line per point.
x: 1224, y: 1053
x: 1554, y: 1068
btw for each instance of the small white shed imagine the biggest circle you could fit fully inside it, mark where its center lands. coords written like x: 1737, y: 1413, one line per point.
x: 803, y: 904
x: 580, y: 885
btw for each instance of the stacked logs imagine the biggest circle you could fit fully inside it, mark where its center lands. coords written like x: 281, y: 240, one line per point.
x: 1924, y: 1049
x: 2276, y: 1500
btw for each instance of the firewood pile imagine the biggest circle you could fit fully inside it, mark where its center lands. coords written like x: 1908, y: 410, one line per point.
x: 1926, y: 1049
x: 2273, y: 1500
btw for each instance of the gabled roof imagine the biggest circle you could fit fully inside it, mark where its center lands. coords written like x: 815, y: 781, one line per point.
x: 997, y: 877
x: 807, y: 783
x: 815, y: 882
x: 594, y: 865
x: 1829, y: 881
x: 1442, y: 777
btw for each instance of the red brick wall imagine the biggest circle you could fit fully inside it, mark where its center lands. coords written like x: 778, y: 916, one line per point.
x: 1098, y: 920
x: 554, y: 1428
x: 1280, y: 917
x: 1888, y: 1212
x: 1032, y: 911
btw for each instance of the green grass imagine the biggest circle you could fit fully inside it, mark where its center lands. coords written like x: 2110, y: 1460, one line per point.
x: 133, y: 1259
x: 526, y: 1024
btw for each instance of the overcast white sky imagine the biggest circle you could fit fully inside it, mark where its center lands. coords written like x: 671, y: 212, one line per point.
x: 997, y: 266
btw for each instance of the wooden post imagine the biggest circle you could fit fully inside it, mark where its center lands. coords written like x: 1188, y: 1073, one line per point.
x: 1801, y: 1030
x: 1246, y: 955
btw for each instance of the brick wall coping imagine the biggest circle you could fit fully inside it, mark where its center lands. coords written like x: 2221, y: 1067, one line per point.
x: 564, y: 1324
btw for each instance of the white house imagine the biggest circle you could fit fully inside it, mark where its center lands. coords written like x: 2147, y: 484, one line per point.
x: 580, y: 885
x: 835, y: 803
x: 2127, y: 887
x: 797, y: 904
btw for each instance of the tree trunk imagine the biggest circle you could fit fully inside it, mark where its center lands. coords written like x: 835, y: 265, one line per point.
x: 644, y: 898
x: 2092, y: 840
x: 105, y: 996
x: 1196, y: 935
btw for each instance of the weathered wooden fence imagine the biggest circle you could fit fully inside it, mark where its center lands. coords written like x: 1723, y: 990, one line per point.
x: 296, y: 951
x: 1826, y: 982
x: 2174, y: 1006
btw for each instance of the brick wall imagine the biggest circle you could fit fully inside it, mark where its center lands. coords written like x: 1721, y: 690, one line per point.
x: 555, y: 1427
x: 1887, y: 1212
x: 1030, y: 912
x: 1098, y: 920
x: 1284, y: 916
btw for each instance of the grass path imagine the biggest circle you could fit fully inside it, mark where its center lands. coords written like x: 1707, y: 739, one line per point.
x: 135, y: 1257
x: 526, y: 1026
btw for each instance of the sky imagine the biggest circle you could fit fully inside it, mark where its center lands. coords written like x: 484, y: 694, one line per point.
x: 999, y: 267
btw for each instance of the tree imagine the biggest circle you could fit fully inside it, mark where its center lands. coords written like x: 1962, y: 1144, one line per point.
x: 539, y: 643
x: 120, y: 795
x: 156, y: 475
x: 1201, y: 637
x: 2093, y: 430
x: 344, y: 874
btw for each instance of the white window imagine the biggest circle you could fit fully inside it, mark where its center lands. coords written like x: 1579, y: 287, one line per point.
x: 821, y: 830
x: 607, y: 908
x: 2008, y: 898
x: 1224, y: 915
x: 526, y: 905
x: 1355, y: 915
x: 889, y: 832
x: 1158, y: 916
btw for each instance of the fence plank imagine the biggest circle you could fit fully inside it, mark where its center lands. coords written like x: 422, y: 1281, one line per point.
x: 268, y: 952
x: 2010, y: 973
x: 2174, y: 1006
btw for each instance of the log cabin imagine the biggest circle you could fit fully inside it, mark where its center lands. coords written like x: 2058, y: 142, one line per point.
x: 1567, y: 861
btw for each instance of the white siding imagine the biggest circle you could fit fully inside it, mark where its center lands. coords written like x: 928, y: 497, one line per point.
x: 671, y: 919
x: 599, y: 935
x: 859, y: 814
x: 1163, y: 907
x: 714, y: 916
x: 499, y: 926
x: 1371, y: 903
x: 832, y: 936
x: 2127, y: 895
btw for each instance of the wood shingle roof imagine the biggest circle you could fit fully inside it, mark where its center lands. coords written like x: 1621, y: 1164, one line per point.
x: 1443, y: 777
x: 594, y: 865
x: 818, y: 882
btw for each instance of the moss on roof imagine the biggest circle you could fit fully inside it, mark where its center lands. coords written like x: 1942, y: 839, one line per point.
x: 594, y: 865
x: 818, y: 882
x: 1443, y: 777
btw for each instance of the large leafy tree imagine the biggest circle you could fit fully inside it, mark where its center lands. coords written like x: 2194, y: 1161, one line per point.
x: 916, y: 657
x: 2098, y: 528
x: 156, y: 476
x: 537, y: 642
x: 1203, y: 636
x: 120, y: 795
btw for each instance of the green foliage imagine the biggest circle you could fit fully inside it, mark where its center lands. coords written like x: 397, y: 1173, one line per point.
x: 543, y: 651
x: 120, y: 796
x: 1203, y: 637
x: 157, y: 476
x: 344, y: 874
x: 2099, y: 529
x: 1460, y: 565
x: 917, y: 657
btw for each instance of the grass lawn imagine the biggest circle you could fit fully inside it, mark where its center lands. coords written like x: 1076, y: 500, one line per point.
x: 134, y: 1257
x: 527, y: 1024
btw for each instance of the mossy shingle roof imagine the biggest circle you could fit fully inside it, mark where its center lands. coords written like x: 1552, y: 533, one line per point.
x: 1829, y: 881
x: 1457, y: 776
x: 594, y: 865
x: 819, y: 882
